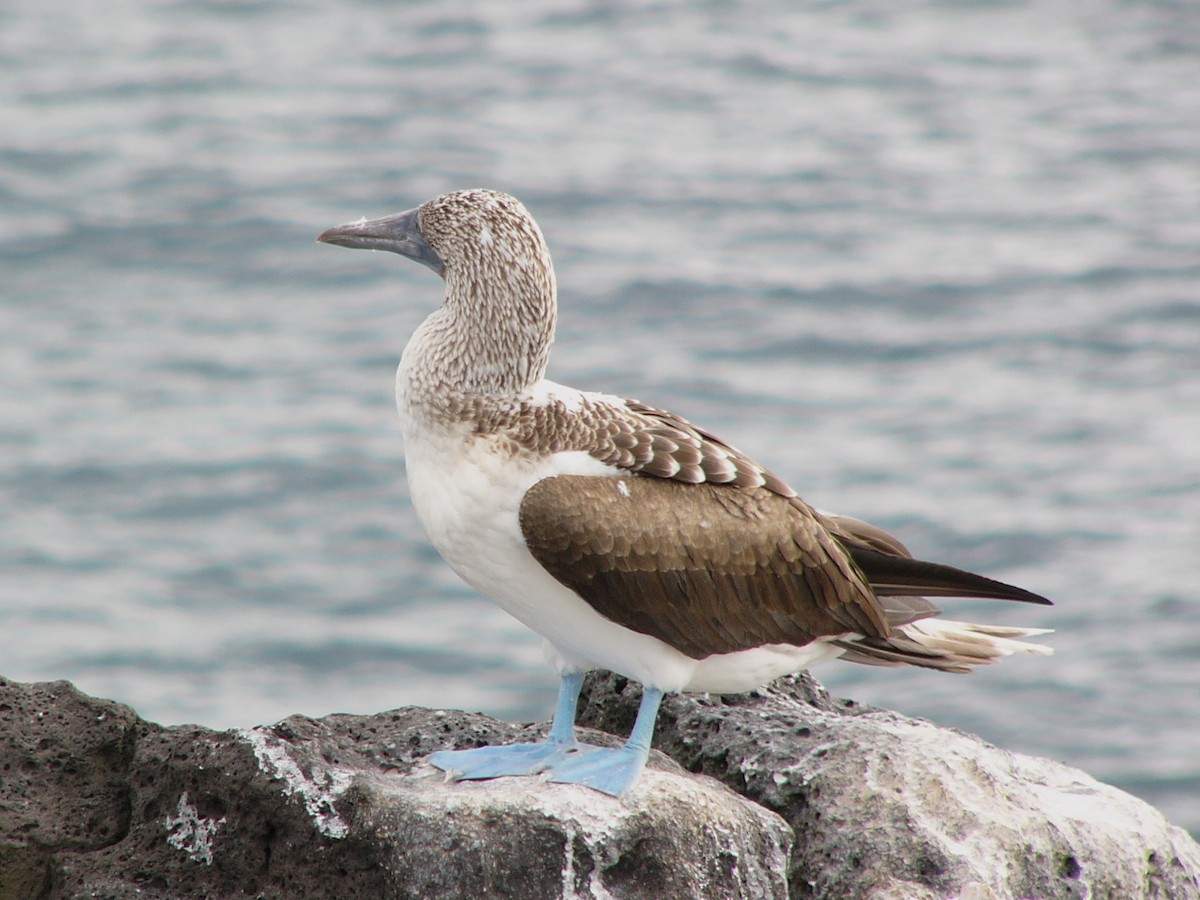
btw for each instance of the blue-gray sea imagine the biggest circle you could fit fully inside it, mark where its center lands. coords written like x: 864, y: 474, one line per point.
x: 935, y: 263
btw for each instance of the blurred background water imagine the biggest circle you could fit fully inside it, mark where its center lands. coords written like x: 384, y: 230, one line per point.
x: 937, y: 264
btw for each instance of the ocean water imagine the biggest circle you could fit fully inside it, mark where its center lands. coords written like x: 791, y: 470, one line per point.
x: 937, y: 264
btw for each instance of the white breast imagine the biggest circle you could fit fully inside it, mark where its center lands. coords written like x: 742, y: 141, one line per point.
x: 466, y: 489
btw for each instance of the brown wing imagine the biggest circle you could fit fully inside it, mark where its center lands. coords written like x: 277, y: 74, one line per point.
x: 705, y: 568
x: 766, y: 568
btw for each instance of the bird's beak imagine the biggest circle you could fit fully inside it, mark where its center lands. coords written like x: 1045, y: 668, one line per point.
x: 400, y: 233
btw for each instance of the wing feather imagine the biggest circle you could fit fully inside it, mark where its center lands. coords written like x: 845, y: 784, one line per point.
x: 705, y: 568
x: 711, y: 552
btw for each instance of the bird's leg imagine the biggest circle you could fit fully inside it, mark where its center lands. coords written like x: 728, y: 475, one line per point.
x: 562, y: 729
x: 521, y: 759
x: 612, y: 770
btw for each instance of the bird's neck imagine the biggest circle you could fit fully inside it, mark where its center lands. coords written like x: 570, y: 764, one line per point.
x: 478, y: 345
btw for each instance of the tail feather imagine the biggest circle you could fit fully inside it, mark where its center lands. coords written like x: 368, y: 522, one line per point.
x: 903, y: 576
x: 943, y: 644
x: 902, y: 584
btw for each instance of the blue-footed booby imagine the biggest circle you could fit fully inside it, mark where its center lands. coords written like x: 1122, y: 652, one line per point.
x: 627, y: 537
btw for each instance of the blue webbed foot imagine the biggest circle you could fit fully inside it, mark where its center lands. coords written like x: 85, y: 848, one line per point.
x: 561, y: 758
x: 611, y: 770
x: 494, y: 762
x: 519, y: 759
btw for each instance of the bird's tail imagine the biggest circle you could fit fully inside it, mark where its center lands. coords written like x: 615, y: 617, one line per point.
x: 943, y: 644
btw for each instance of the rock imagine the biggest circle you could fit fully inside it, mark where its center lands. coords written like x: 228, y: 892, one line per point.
x: 95, y: 802
x: 884, y: 806
x: 674, y: 837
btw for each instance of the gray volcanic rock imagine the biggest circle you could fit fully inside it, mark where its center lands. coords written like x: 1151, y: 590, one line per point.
x: 673, y: 837
x: 885, y: 806
x: 97, y: 803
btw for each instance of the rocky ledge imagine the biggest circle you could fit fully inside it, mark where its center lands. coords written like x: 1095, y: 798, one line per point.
x: 784, y: 792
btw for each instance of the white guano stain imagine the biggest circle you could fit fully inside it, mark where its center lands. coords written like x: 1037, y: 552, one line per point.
x: 190, y: 832
x: 318, y: 793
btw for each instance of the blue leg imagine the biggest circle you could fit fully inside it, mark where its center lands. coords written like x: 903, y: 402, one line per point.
x: 520, y: 759
x: 612, y: 770
x: 562, y: 729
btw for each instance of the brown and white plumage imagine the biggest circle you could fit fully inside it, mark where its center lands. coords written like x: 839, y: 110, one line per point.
x: 630, y: 538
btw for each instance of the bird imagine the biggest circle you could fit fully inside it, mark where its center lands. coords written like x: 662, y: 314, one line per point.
x: 629, y: 538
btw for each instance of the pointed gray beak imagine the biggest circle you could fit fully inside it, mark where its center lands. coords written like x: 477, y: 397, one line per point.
x: 400, y: 233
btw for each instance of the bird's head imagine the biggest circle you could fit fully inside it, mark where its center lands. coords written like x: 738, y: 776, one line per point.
x: 494, y: 330
x: 471, y: 236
